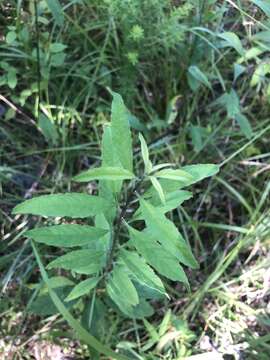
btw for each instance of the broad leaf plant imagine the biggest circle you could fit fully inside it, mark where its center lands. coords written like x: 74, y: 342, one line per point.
x: 127, y: 245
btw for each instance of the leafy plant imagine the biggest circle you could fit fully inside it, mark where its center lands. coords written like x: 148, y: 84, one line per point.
x: 129, y: 244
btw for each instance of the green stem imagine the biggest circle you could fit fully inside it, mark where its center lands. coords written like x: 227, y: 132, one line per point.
x: 119, y: 221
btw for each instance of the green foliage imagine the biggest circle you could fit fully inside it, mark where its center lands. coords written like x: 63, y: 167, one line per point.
x: 197, y: 75
x: 74, y: 205
x: 130, y: 269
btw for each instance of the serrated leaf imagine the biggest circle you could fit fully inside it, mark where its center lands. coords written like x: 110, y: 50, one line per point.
x: 172, y: 174
x: 84, y: 287
x: 233, y: 41
x: 85, y: 261
x: 66, y: 235
x: 141, y: 271
x: 199, y: 76
x: 117, y: 297
x: 104, y: 173
x: 121, y: 134
x: 74, y: 205
x: 124, y: 286
x: 143, y: 309
x: 167, y: 234
x: 145, y: 155
x: 161, y: 260
x: 158, y: 188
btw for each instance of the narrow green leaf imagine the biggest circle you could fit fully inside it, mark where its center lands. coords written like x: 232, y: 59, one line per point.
x: 142, y: 272
x: 238, y: 70
x: 123, y: 285
x: 121, y: 134
x: 201, y: 171
x: 198, y: 173
x: 199, y: 76
x: 48, y: 129
x: 244, y: 125
x: 75, y: 205
x: 84, y: 287
x: 109, y: 189
x: 172, y: 201
x: 167, y: 234
x: 66, y: 235
x: 104, y: 173
x: 158, y: 188
x: 155, y: 255
x: 145, y: 154
x: 56, y: 10
x: 232, y: 40
x: 173, y: 174
x: 85, y: 261
x: 118, y: 298
x: 81, y: 332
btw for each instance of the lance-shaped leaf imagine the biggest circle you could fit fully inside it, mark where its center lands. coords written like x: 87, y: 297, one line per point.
x: 118, y: 298
x: 66, y: 235
x: 158, y: 188
x: 84, y: 287
x: 198, y: 172
x: 201, y: 171
x: 123, y: 286
x: 232, y: 40
x: 172, y: 201
x: 85, y: 261
x: 167, y: 234
x: 141, y: 271
x: 155, y: 255
x: 145, y: 155
x: 109, y: 158
x: 104, y: 173
x: 197, y: 74
x: 109, y: 189
x: 75, y: 205
x: 172, y: 174
x: 121, y: 134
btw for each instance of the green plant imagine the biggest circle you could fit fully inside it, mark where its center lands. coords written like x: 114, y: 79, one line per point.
x: 125, y: 246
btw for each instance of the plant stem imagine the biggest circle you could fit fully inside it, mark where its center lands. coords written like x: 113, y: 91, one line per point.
x: 120, y: 218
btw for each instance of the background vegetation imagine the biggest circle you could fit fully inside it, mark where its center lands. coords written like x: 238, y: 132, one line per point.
x: 195, y: 75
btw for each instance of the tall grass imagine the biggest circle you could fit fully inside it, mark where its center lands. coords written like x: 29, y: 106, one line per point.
x: 196, y: 74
